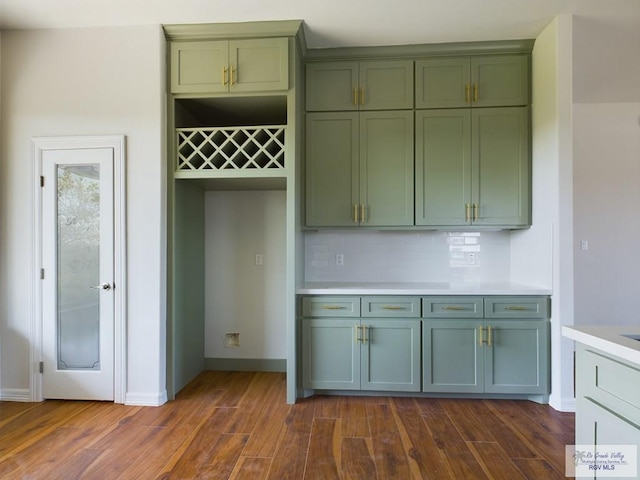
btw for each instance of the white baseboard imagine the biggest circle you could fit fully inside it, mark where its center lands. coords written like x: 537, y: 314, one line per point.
x: 15, y: 395
x: 146, y: 399
x: 563, y: 404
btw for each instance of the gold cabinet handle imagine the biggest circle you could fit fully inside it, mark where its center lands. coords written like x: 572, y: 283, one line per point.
x: 480, y: 335
x: 362, y: 96
x: 391, y: 307
x: 467, y: 209
x: 224, y: 76
x: 365, y: 338
x: 476, y: 208
x: 489, y: 335
x: 517, y: 308
x: 467, y: 88
x: 233, y: 71
x: 355, y: 96
x: 332, y: 307
x: 475, y: 93
x: 355, y: 213
x: 453, y: 307
x: 363, y: 213
x: 357, y: 338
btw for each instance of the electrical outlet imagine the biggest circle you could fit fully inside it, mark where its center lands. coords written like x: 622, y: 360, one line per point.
x: 340, y: 259
x: 259, y: 259
x: 584, y: 245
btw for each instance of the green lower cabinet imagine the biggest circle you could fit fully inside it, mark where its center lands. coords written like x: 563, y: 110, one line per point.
x: 599, y: 425
x: 390, y: 355
x: 331, y: 354
x: 516, y: 356
x: 367, y: 354
x: 607, y: 398
x: 452, y: 356
x: 486, y: 356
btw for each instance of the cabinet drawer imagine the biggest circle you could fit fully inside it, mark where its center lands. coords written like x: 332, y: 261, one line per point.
x: 608, y: 381
x: 452, y: 307
x: 385, y: 307
x: 516, y: 307
x: 322, y: 306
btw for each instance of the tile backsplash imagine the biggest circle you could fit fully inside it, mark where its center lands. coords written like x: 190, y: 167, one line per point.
x: 400, y: 256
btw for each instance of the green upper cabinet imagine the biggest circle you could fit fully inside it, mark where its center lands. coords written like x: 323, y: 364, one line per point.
x: 500, y: 192
x: 443, y: 167
x: 359, y: 169
x: 482, y: 81
x: 472, y: 167
x: 237, y: 66
x: 366, y: 85
x: 332, y: 168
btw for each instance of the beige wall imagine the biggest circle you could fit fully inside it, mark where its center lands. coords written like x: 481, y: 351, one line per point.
x: 606, y: 171
x: 85, y: 82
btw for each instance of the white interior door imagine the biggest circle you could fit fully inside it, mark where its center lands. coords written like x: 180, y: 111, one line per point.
x: 78, y: 267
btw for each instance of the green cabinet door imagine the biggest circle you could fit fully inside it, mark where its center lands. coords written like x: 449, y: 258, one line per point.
x: 516, y: 356
x: 350, y: 86
x: 332, y: 169
x: 500, y: 80
x: 331, y: 86
x: 199, y: 67
x: 253, y: 65
x: 390, y: 355
x: 386, y: 85
x: 482, y: 81
x: 452, y: 355
x: 330, y: 353
x: 259, y: 65
x: 443, y: 83
x: 443, y: 167
x: 377, y: 355
x: 473, y: 167
x: 359, y: 169
x: 500, y: 166
x: 386, y: 168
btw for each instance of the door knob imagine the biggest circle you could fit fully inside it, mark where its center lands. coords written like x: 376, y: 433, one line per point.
x: 104, y: 286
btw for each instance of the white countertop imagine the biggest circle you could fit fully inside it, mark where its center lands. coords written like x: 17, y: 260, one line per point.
x: 427, y: 288
x: 608, y: 339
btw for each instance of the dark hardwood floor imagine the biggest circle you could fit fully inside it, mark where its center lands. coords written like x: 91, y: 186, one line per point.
x: 237, y: 425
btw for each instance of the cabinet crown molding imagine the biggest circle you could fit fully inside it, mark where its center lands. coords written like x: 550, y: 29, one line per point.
x: 421, y: 50
x: 233, y: 30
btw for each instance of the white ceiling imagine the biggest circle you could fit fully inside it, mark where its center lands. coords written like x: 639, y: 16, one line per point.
x: 328, y: 23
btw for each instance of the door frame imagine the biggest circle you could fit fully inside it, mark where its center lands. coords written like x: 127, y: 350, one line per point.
x: 39, y: 145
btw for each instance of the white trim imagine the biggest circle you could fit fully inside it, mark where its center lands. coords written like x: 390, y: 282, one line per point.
x: 565, y: 405
x: 38, y: 146
x: 15, y: 395
x: 146, y: 399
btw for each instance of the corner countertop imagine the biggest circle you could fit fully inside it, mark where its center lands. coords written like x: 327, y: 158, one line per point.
x: 426, y: 288
x: 613, y: 340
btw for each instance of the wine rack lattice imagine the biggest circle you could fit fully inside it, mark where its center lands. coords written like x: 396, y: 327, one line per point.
x: 230, y: 148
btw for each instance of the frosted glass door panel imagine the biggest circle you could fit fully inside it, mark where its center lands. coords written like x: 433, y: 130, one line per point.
x: 78, y: 240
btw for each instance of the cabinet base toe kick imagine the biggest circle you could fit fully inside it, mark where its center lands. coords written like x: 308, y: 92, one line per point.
x: 541, y: 399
